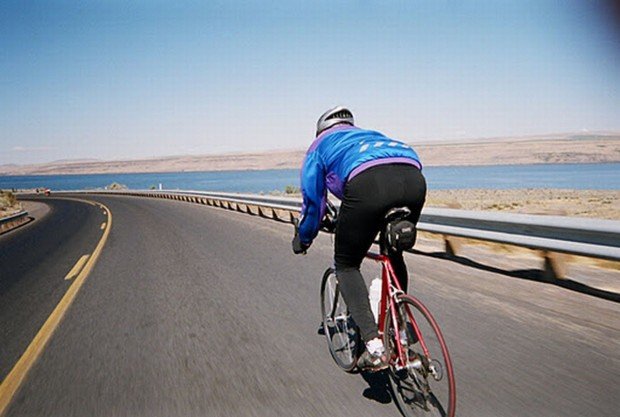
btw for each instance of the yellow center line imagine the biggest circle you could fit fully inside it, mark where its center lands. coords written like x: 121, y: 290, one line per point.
x: 102, y: 225
x: 15, y: 378
x: 77, y: 267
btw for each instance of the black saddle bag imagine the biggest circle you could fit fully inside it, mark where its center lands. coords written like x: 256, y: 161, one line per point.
x: 400, y: 235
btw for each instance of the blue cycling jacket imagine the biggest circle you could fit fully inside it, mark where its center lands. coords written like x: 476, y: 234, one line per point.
x: 337, y: 155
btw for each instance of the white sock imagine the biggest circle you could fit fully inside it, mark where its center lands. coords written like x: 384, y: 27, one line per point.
x: 375, y: 347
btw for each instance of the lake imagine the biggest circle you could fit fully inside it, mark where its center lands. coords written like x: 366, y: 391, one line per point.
x: 568, y: 176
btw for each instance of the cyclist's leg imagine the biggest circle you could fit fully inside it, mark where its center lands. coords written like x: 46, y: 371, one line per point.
x: 367, y: 198
x: 414, y: 191
x: 354, y: 236
x: 412, y: 187
x: 355, y: 233
x: 359, y: 220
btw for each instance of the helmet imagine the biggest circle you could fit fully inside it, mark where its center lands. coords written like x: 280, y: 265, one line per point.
x: 332, y: 117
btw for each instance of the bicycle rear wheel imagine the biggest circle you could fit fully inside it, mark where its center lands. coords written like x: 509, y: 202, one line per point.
x: 424, y: 385
x: 343, y: 337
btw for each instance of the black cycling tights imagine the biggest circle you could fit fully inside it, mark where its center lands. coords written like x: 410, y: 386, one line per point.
x: 367, y: 198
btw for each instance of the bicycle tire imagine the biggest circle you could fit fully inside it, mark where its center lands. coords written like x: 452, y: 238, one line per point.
x: 416, y: 391
x: 341, y: 332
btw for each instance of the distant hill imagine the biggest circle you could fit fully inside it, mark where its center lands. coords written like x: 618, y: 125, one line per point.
x: 75, y: 161
x: 7, y: 167
x: 557, y: 149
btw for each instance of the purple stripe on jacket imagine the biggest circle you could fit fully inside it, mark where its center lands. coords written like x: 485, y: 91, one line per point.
x: 383, y: 161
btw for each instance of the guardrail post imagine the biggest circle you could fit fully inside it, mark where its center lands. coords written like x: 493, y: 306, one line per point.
x: 555, y: 265
x: 451, y: 245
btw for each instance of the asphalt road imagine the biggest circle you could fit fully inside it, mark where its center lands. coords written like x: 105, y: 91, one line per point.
x: 198, y: 311
x: 34, y: 260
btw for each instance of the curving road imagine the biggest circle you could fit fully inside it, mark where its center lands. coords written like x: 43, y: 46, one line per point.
x: 195, y: 311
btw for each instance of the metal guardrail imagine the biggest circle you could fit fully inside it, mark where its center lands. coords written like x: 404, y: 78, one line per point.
x: 551, y: 234
x: 9, y: 222
x: 576, y: 236
x: 554, y: 236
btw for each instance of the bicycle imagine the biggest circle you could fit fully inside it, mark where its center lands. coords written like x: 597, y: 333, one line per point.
x: 421, y: 374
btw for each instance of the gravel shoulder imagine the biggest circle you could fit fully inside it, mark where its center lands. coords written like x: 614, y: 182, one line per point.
x: 602, y: 204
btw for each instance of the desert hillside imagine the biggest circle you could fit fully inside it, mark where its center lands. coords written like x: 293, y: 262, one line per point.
x: 499, y: 151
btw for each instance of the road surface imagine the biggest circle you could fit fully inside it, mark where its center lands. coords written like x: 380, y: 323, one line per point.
x: 198, y: 311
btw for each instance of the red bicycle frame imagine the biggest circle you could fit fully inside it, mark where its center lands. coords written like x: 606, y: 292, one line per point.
x: 389, y: 288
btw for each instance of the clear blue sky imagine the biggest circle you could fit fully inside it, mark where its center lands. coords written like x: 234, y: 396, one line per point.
x: 108, y: 79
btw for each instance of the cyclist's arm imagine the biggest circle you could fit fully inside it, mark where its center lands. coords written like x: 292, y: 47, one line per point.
x: 314, y: 192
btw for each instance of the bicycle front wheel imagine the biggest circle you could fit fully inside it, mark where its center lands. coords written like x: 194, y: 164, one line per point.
x: 343, y: 337
x: 422, y: 380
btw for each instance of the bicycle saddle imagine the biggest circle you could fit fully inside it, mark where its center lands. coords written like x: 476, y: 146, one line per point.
x: 397, y: 213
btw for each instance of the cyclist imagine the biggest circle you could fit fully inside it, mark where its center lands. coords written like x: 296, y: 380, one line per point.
x: 371, y: 174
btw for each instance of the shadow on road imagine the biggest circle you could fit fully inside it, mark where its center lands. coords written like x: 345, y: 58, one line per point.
x: 537, y: 275
x: 378, y: 387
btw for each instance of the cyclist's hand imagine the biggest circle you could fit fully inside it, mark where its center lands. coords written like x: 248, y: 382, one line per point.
x: 328, y: 224
x: 298, y: 246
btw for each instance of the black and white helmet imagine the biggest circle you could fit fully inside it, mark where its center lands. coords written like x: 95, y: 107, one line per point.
x: 332, y: 117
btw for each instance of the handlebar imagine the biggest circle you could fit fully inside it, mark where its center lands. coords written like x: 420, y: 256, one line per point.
x: 331, y: 216
x: 332, y: 209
